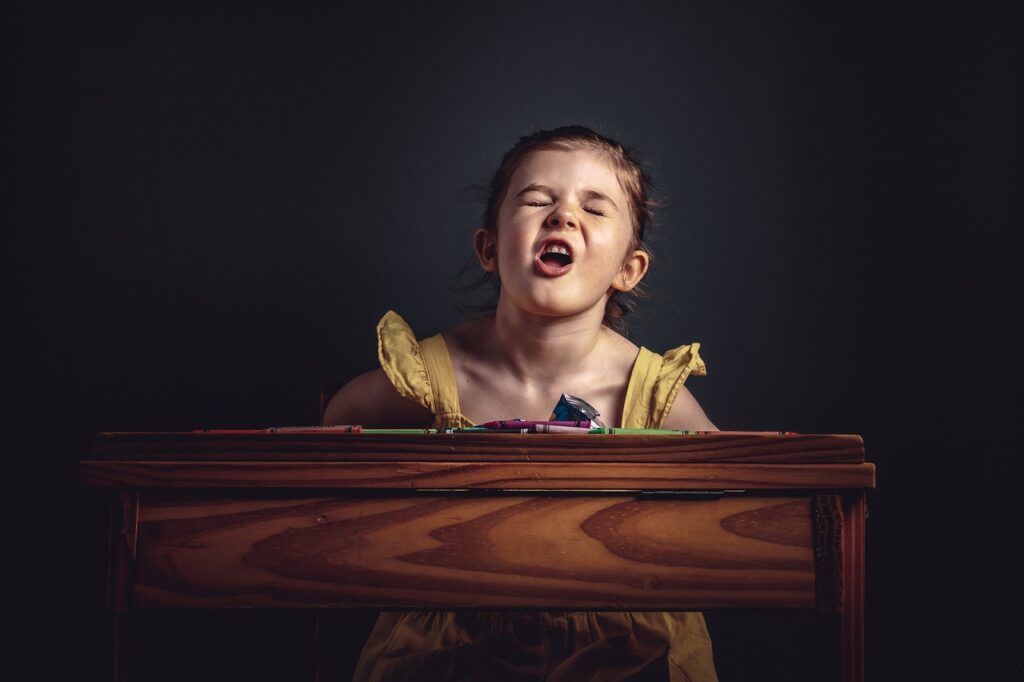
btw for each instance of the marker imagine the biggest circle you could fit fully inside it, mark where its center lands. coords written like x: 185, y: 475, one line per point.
x: 558, y: 428
x: 530, y: 423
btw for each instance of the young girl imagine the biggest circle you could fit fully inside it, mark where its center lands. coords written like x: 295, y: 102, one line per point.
x: 563, y: 235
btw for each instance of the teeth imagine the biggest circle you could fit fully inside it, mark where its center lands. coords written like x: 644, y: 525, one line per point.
x: 556, y: 248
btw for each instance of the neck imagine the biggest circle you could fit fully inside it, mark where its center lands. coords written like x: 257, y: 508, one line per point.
x: 555, y: 348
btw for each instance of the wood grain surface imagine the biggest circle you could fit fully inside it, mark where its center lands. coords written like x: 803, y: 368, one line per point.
x: 853, y: 542
x: 408, y: 476
x: 320, y: 445
x: 576, y: 552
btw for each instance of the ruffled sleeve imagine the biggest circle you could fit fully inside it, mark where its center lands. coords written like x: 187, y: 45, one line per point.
x: 679, y: 364
x: 656, y: 381
x: 402, y: 360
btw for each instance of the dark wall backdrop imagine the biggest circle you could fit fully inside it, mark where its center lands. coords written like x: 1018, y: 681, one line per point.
x: 210, y: 207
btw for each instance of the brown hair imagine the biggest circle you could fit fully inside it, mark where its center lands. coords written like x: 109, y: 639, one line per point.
x: 634, y: 181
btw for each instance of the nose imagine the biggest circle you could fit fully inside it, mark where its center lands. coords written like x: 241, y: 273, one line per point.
x: 561, y: 218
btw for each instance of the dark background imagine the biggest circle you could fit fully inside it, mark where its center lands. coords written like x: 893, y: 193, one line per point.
x: 209, y: 208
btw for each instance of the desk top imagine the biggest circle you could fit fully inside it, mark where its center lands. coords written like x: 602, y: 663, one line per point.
x: 329, y: 459
x: 312, y: 444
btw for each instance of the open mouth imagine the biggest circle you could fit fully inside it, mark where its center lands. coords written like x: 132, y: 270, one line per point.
x: 556, y: 253
x: 559, y: 258
x: 554, y: 258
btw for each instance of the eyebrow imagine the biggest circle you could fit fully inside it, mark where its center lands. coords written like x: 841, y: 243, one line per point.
x: 587, y: 193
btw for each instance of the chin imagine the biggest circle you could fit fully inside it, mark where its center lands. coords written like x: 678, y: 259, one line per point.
x: 556, y: 308
x: 548, y: 301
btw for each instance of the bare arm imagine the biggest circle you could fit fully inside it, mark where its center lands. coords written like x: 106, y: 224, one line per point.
x: 687, y: 415
x: 371, y: 401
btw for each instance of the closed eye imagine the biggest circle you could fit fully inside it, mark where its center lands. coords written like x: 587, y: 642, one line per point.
x: 588, y: 209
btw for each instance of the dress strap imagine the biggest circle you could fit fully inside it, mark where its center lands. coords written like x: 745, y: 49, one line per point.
x: 442, y: 382
x: 655, y: 382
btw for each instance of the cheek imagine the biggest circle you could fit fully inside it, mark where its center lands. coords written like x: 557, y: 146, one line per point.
x: 513, y: 241
x: 613, y: 250
x: 507, y: 253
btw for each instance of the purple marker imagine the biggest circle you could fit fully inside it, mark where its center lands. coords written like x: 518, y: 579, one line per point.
x: 530, y: 424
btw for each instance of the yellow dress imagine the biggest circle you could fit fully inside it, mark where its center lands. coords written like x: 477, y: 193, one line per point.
x: 552, y: 646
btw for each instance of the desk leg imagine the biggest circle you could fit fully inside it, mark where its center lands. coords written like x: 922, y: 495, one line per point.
x: 115, y: 658
x: 123, y: 535
x: 852, y: 629
x: 317, y: 672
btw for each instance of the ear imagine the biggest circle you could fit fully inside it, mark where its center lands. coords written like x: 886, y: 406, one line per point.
x: 632, y: 271
x: 485, y: 246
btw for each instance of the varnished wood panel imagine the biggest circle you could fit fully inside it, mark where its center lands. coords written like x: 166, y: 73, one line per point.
x: 852, y: 647
x: 749, y: 447
x: 594, y: 552
x: 474, y: 475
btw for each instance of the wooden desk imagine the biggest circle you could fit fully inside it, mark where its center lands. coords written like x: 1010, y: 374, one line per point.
x: 295, y: 519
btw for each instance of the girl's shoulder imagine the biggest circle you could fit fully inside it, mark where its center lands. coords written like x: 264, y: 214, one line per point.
x: 372, y: 401
x: 670, y: 398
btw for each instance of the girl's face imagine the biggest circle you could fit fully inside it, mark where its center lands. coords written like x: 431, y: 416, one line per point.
x: 562, y: 236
